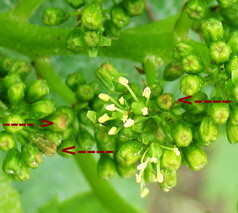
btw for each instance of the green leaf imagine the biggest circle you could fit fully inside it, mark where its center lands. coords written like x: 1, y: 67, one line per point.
x: 9, y: 197
x: 50, y: 206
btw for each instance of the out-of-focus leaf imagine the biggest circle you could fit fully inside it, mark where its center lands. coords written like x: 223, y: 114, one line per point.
x: 50, y: 207
x: 9, y: 197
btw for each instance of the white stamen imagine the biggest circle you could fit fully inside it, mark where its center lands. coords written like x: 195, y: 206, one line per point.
x: 145, y: 111
x: 153, y: 160
x: 144, y: 192
x: 160, y: 177
x: 138, y: 178
x: 142, y: 166
x: 112, y: 131
x: 111, y: 107
x: 122, y: 100
x: 104, y: 97
x: 123, y: 81
x: 103, y: 118
x: 129, y: 123
x: 124, y: 117
x: 147, y: 92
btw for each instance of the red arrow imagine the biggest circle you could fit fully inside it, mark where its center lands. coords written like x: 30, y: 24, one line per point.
x: 68, y: 148
x: 48, y: 123
x: 183, y: 100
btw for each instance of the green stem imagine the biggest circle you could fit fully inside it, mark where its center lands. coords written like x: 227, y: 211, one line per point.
x: 45, y: 69
x: 25, y: 8
x: 103, y: 190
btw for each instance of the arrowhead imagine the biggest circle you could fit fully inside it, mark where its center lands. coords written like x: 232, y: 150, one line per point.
x: 48, y: 123
x: 68, y: 148
x: 183, y: 100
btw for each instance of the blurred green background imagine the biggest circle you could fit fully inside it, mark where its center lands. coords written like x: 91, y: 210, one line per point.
x: 59, y: 186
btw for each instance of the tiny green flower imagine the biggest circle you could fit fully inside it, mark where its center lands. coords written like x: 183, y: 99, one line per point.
x: 119, y: 16
x: 233, y: 42
x: 232, y: 64
x: 55, y: 137
x: 173, y: 71
x: 55, y: 16
x: 182, y: 134
x: 220, y: 52
x: 15, y: 167
x: 85, y: 92
x: 219, y: 112
x: 111, y: 30
x: 65, y: 144
x: 16, y: 93
x: 129, y: 153
x: 7, y: 141
x: 126, y: 171
x: 42, y: 108
x: 92, y: 38
x: 21, y: 67
x: 85, y: 140
x: 92, y: 17
x: 231, y: 131
x: 195, y: 156
x: 192, y: 64
x: 182, y: 49
x: 191, y: 84
x: 165, y: 101
x: 37, y: 90
x: 5, y: 65
x: 196, y: 9
x: 170, y: 180
x: 11, y: 79
x: 155, y: 151
x: 14, y: 119
x: 134, y: 7
x: 106, y: 168
x: 170, y: 160
x: 31, y: 155
x: 74, y: 80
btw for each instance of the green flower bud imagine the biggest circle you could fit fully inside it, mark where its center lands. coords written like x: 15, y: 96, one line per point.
x: 119, y: 17
x: 182, y: 134
x: 192, y: 64
x: 5, y: 65
x: 231, y: 131
x: 234, y: 115
x: 85, y: 92
x: 44, y: 145
x: 55, y: 137
x: 170, y: 160
x: 232, y: 64
x: 195, y: 156
x: 233, y: 42
x: 219, y: 112
x: 85, y: 140
x: 65, y: 144
x: 165, y: 101
x: 21, y: 67
x: 191, y: 84
x: 156, y: 90
x: 74, y: 80
x: 149, y: 174
x: 92, y: 17
x: 146, y: 137
x: 37, y: 90
x: 138, y: 108
x: 208, y: 132
x: 104, y: 140
x: 109, y: 76
x: 14, y: 166
x: 31, y: 156
x: 173, y: 71
x: 182, y: 49
x: 226, y: 3
x: 155, y: 151
x: 16, y: 93
x: 134, y: 7
x: 55, y: 16
x: 68, y: 112
x: 230, y: 15
x: 220, y: 52
x: 7, y: 141
x: 129, y: 153
x: 92, y: 38
x: 106, y: 168
x: 126, y: 134
x: 111, y: 30
x: 196, y: 9
x: 196, y: 108
x: 42, y: 109
x: 170, y: 179
x: 68, y: 133
x: 126, y: 171
x: 160, y: 134
x: 75, y: 3
x: 14, y: 119
x: 212, y: 30
x: 11, y: 79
